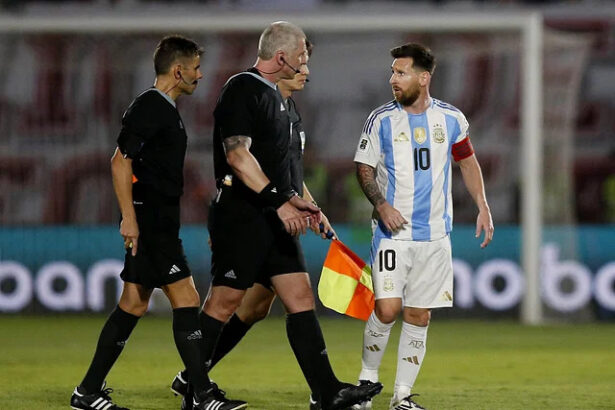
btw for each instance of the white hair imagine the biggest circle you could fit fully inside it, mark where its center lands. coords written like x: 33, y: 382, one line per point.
x: 280, y: 35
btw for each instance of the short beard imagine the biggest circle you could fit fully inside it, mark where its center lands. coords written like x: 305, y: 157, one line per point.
x: 407, y: 100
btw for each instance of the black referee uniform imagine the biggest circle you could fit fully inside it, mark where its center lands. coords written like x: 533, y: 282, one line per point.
x: 249, y: 242
x: 153, y: 136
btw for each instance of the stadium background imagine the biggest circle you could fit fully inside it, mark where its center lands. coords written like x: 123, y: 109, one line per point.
x: 62, y: 96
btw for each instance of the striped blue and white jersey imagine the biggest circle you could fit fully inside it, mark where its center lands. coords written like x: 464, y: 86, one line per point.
x: 412, y: 157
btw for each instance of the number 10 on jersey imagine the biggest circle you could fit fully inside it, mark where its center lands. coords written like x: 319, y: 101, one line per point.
x: 422, y: 159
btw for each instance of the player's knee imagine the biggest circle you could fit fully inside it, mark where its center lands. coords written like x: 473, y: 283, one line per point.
x: 417, y: 317
x: 387, y: 314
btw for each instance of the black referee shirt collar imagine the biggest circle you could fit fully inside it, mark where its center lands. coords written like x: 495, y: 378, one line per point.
x: 254, y: 72
x: 166, y: 97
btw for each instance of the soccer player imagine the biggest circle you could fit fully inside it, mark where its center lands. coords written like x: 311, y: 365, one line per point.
x: 147, y: 170
x: 404, y: 168
x: 256, y: 217
x: 258, y: 299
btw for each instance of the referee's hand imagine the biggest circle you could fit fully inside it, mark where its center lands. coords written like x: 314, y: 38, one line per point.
x: 129, y: 229
x: 296, y: 215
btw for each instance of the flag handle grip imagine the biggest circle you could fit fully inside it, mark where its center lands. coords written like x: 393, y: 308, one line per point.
x: 329, y: 234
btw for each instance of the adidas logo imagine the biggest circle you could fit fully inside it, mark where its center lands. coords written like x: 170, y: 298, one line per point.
x: 195, y: 335
x: 412, y: 359
x: 230, y: 274
x: 174, y: 269
x: 373, y: 348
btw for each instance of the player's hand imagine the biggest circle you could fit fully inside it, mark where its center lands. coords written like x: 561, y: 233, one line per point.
x: 390, y: 217
x: 484, y: 223
x: 295, y: 221
x: 129, y: 229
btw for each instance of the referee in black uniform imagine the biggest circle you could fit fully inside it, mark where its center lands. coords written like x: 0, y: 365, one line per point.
x: 256, y: 216
x: 147, y: 170
x: 258, y: 299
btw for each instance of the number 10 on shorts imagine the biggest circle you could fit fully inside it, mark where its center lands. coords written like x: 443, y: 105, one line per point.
x: 386, y: 260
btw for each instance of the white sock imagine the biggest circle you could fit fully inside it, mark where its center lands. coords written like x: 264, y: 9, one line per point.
x: 412, y: 345
x: 375, y: 339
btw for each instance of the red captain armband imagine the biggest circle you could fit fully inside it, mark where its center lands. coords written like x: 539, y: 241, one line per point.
x: 462, y: 149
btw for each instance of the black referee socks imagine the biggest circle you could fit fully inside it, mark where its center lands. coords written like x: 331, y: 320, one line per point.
x: 212, y: 328
x: 233, y: 331
x: 308, y: 344
x: 189, y: 340
x: 111, y: 342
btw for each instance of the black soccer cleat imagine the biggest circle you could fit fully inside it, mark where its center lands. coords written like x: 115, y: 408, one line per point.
x: 407, y: 404
x: 187, y: 402
x: 94, y: 401
x: 314, y: 404
x: 214, y: 398
x: 179, y: 386
x: 366, y: 405
x: 350, y: 394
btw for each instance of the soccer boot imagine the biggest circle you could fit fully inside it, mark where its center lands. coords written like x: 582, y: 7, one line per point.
x: 366, y: 405
x: 213, y: 398
x: 95, y: 401
x: 187, y: 402
x: 349, y: 394
x: 405, y: 404
x: 179, y: 386
x: 314, y: 404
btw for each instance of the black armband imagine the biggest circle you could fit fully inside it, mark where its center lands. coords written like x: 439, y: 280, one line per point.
x: 271, y: 197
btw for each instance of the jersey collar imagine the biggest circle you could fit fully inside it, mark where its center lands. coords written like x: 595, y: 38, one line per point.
x: 166, y: 97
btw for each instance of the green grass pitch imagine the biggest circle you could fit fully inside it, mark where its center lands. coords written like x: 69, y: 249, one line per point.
x: 469, y: 364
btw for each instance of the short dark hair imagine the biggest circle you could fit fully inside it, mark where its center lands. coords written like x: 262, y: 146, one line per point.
x: 172, y: 48
x: 421, y: 56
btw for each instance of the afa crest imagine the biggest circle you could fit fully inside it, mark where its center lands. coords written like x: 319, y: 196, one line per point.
x: 388, y: 284
x: 438, y: 134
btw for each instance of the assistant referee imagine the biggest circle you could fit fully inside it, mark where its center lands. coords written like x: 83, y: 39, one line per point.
x: 147, y: 170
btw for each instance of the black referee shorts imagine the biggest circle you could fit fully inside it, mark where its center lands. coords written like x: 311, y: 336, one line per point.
x: 249, y: 246
x: 160, y: 258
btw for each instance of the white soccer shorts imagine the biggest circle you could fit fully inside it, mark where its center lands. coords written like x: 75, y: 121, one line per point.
x: 420, y: 273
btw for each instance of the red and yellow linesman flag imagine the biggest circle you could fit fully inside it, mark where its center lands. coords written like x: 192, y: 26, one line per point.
x: 346, y: 283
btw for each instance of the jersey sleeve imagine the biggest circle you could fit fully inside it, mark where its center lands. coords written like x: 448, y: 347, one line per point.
x: 233, y: 113
x: 462, y: 127
x: 368, y: 150
x: 462, y: 146
x: 139, y: 125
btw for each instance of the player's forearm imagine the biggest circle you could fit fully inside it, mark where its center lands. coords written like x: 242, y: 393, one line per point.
x: 121, y: 172
x: 366, y: 176
x: 473, y: 179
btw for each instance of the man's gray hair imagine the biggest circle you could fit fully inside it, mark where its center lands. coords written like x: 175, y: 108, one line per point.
x: 280, y: 35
